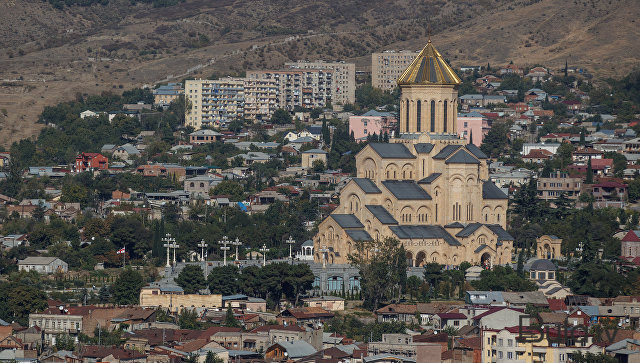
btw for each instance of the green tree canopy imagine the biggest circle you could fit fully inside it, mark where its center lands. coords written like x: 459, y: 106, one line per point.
x: 191, y: 279
x: 126, y: 289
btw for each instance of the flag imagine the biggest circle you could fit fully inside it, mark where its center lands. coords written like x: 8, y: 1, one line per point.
x: 120, y: 251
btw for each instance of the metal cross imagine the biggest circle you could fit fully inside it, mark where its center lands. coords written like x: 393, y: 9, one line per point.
x: 290, y: 242
x: 167, y: 243
x: 224, y: 248
x: 236, y: 243
x: 264, y: 251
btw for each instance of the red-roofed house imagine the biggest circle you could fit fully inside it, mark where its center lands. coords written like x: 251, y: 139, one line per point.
x: 537, y: 156
x: 582, y: 155
x: 609, y: 191
x: 304, y: 315
x: 630, y: 246
x: 557, y: 305
x: 91, y: 161
x: 456, y: 320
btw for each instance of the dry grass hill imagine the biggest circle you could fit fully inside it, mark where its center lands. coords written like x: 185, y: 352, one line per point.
x: 48, y: 55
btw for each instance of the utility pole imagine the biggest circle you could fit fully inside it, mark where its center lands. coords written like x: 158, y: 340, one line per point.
x: 290, y: 242
x: 224, y: 248
x: 264, y: 251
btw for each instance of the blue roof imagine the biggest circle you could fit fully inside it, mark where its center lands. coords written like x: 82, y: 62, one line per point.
x: 430, y: 179
x: 297, y: 348
x: 491, y: 191
x: 462, y: 157
x: 446, y: 151
x: 500, y: 232
x: 468, y: 230
x: 347, y: 220
x: 476, y: 151
x: 367, y: 185
x: 406, y: 190
x: 381, y: 214
x: 359, y: 235
x: 482, y: 247
x: 423, y: 148
x: 589, y: 310
x: 234, y: 297
x: 392, y: 151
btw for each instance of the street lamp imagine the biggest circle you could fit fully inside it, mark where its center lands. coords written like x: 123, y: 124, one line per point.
x: 167, y: 243
x: 264, y: 251
x: 175, y: 246
x: 224, y: 248
x: 236, y: 243
x: 202, y: 246
x: 290, y: 242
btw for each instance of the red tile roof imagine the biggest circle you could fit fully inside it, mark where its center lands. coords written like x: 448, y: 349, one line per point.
x: 268, y: 328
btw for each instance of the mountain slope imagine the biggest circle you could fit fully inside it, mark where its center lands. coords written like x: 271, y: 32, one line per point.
x: 48, y: 55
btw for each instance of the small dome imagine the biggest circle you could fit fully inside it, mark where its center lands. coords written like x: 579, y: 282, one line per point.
x: 543, y: 265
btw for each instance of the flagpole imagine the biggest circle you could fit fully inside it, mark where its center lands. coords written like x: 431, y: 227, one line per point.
x: 124, y: 256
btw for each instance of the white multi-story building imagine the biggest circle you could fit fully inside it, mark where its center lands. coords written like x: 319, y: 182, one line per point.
x: 386, y: 68
x: 214, y: 102
x: 344, y: 78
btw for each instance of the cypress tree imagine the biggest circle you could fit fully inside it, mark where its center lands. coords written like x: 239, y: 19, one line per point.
x: 589, y: 177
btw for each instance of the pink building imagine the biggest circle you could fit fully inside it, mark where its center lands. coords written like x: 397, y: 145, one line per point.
x: 372, y: 122
x: 473, y: 124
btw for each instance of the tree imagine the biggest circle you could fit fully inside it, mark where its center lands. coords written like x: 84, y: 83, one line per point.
x: 212, y: 358
x: 503, y: 279
x: 224, y: 280
x: 281, y: 117
x: 230, y: 319
x: 191, y: 279
x: 318, y: 166
x: 589, y: 176
x: 378, y: 262
x: 104, y: 296
x: 126, y: 289
x: 496, y: 140
x: 188, y: 319
x: 326, y: 135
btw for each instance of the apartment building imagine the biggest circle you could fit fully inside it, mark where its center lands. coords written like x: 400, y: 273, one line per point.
x: 260, y: 98
x: 558, y: 183
x: 344, y: 79
x: 386, y: 67
x: 308, y: 88
x: 214, y: 102
x: 166, y: 94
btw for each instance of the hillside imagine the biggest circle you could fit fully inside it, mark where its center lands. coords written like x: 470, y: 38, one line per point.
x: 48, y: 54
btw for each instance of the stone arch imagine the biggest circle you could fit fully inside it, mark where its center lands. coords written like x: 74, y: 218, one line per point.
x: 486, y: 214
x: 499, y: 214
x: 391, y: 171
x: 354, y: 203
x: 409, y: 257
x: 367, y: 225
x: 434, y: 257
x: 406, y: 214
x: 454, y: 259
x: 486, y: 260
x: 421, y: 259
x: 331, y: 233
x: 369, y: 166
x: 407, y: 171
x: 422, y: 215
x: 388, y: 205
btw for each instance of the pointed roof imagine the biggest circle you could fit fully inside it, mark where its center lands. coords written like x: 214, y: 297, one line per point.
x: 429, y: 68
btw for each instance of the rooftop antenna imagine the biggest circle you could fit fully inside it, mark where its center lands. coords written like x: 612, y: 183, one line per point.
x: 429, y: 33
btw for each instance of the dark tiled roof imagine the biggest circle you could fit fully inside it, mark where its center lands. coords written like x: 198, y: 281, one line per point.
x: 347, y: 220
x: 454, y: 225
x: 476, y: 151
x: 424, y: 232
x: 392, y: 151
x: 406, y: 190
x: 468, y: 230
x: 359, y: 235
x: 491, y: 191
x: 500, y: 232
x: 381, y: 214
x: 423, y: 148
x: 446, y: 151
x: 482, y: 247
x: 462, y: 157
x: 367, y: 185
x: 429, y: 179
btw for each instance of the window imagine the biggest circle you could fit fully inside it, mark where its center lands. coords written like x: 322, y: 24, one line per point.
x: 433, y: 116
x: 418, y: 115
x: 407, y: 109
x: 500, y: 341
x: 466, y: 124
x: 499, y: 355
x: 445, y: 116
x: 509, y: 355
x: 510, y: 342
x: 365, y: 131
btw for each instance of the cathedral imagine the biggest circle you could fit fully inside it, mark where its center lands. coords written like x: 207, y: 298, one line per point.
x: 429, y: 188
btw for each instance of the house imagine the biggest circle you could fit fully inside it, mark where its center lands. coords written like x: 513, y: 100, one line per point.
x: 14, y: 240
x: 126, y: 152
x: 98, y: 353
x: 473, y: 126
x: 304, y: 315
x: 200, y: 185
x: 251, y: 157
x: 371, y: 123
x: 493, y: 298
x: 582, y: 155
x: 44, y: 265
x: 244, y: 302
x: 309, y: 157
x: 163, y: 170
x: 609, y: 191
x: 289, y: 350
x: 405, y: 313
x: 538, y: 156
x: 500, y: 318
x: 91, y: 161
x: 550, y: 147
x: 559, y: 183
x: 443, y: 320
x: 88, y: 113
x: 204, y: 136
x: 165, y: 94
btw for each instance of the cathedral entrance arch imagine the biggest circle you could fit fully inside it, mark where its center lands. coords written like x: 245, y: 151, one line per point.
x: 485, y: 260
x: 420, y: 258
x: 409, y: 256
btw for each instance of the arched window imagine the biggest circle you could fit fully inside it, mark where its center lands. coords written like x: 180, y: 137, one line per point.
x: 418, y: 115
x: 445, y: 116
x: 433, y: 116
x: 407, y: 108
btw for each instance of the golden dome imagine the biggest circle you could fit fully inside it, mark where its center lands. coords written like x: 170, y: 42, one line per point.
x: 429, y: 68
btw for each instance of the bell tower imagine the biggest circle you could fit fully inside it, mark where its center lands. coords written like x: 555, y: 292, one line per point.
x: 429, y: 99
